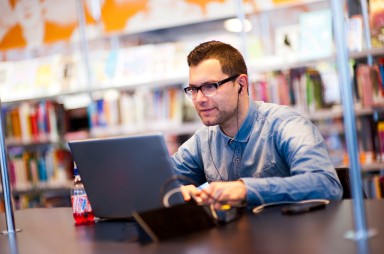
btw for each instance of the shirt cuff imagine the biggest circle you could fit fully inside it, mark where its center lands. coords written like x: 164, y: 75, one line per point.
x: 255, y: 187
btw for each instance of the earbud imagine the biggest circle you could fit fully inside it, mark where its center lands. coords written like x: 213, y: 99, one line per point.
x: 241, y: 88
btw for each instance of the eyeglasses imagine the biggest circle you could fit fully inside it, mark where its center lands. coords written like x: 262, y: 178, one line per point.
x: 208, y: 89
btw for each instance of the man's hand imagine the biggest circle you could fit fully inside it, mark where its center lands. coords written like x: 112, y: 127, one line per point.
x: 189, y: 191
x: 232, y: 193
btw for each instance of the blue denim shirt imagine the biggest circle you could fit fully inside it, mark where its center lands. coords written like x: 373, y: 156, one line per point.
x: 277, y: 153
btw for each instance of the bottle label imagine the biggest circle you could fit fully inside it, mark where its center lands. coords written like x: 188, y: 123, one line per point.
x: 89, y: 208
x: 80, y: 204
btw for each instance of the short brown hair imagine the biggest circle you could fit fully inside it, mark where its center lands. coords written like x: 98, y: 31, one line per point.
x: 231, y: 60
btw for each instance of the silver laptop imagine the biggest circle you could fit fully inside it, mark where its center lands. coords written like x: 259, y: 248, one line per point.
x: 124, y: 174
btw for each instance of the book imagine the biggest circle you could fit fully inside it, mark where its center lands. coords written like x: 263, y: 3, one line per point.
x: 45, y: 80
x: 126, y: 104
x: 364, y: 85
x: 315, y: 34
x: 318, y: 88
x: 284, y: 90
x: 9, y: 135
x: 24, y: 110
x: 52, y: 121
x: 355, y: 33
x: 34, y: 129
x: 380, y: 133
x: 376, y: 14
x: 134, y: 64
x: 15, y: 123
x: 287, y: 42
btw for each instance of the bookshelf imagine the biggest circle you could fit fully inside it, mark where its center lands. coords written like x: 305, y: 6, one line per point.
x: 134, y: 74
x: 284, y: 64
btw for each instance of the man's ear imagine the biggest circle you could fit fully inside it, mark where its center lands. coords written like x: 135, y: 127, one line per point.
x: 243, y: 81
x: 240, y: 88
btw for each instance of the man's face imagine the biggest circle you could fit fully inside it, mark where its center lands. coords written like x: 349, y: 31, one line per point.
x: 219, y: 109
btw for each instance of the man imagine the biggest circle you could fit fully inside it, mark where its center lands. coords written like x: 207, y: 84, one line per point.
x: 249, y: 152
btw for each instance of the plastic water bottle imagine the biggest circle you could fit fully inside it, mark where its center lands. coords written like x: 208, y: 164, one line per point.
x: 82, y: 210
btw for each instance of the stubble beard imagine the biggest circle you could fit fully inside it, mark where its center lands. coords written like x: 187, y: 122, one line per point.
x: 219, y: 119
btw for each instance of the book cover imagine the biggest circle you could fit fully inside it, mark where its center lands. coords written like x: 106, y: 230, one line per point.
x: 355, y: 33
x: 380, y: 132
x: 318, y: 88
x: 33, y: 123
x: 376, y: 186
x: 41, y: 169
x: 376, y: 18
x: 283, y: 89
x: 24, y: 110
x: 16, y: 126
x: 8, y: 124
x: 126, y: 108
x: 33, y: 170
x: 287, y: 42
x: 41, y: 114
x: 316, y: 39
x: 364, y: 84
x: 44, y: 78
x: 310, y: 94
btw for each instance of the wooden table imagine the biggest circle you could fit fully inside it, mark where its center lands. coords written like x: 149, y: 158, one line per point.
x: 52, y: 230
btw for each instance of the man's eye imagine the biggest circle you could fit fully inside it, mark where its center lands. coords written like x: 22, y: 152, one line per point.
x: 209, y: 86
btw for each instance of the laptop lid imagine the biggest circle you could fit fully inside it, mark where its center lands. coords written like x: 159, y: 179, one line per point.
x: 124, y: 174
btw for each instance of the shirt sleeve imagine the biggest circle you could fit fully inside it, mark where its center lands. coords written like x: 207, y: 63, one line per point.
x: 187, y: 163
x: 312, y: 174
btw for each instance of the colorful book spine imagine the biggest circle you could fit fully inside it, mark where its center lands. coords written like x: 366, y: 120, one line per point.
x: 380, y: 133
x: 364, y: 84
x: 31, y: 123
x: 38, y: 169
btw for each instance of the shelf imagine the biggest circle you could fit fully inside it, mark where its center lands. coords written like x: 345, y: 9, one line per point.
x: 150, y: 83
x: 155, y: 83
x: 260, y: 65
x: 275, y: 63
x: 173, y: 128
x: 165, y: 128
x: 57, y: 188
x: 46, y: 96
x: 288, y: 4
x: 32, y: 144
x: 366, y: 53
x: 372, y: 167
x: 263, y: 64
x: 327, y: 130
x: 335, y: 112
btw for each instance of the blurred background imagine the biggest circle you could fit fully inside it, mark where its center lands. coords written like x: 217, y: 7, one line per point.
x: 98, y: 68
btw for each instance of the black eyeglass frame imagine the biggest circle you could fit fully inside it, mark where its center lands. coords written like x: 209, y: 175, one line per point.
x: 215, y: 84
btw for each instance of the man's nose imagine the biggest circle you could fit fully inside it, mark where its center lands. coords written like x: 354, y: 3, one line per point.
x: 200, y: 96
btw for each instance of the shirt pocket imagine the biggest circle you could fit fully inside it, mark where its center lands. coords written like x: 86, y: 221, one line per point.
x: 270, y: 171
x: 212, y: 175
x: 211, y: 178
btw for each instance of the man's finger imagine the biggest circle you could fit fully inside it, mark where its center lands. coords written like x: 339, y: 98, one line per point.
x: 185, y: 193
